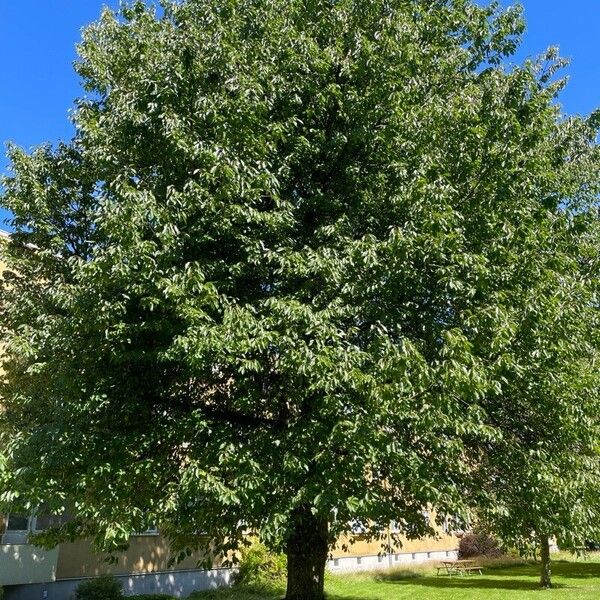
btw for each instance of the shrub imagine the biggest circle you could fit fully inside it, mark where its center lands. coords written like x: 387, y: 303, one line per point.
x: 1, y: 592
x: 258, y: 566
x: 479, y: 544
x: 105, y: 587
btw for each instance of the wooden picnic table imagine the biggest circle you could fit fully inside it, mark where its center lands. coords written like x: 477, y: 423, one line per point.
x: 459, y: 567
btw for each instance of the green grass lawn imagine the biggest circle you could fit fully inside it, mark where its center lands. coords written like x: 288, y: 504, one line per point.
x: 573, y: 579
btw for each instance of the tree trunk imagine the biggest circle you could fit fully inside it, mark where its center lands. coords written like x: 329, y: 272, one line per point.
x: 545, y: 577
x: 306, y: 551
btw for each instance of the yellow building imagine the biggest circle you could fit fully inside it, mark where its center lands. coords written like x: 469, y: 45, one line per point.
x: 30, y: 573
x: 362, y: 554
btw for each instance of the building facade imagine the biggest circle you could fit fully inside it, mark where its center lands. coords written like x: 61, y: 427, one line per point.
x: 31, y: 573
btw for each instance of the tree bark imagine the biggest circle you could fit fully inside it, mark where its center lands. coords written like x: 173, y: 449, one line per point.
x: 306, y: 550
x: 546, y: 574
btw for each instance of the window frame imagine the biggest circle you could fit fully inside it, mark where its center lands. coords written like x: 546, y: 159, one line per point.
x: 151, y: 531
x: 31, y: 524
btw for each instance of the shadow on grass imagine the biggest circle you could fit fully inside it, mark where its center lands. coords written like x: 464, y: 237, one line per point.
x: 515, y: 578
x: 255, y: 594
x: 330, y: 596
x: 576, y: 570
x: 521, y: 577
x: 237, y: 593
x: 473, y: 582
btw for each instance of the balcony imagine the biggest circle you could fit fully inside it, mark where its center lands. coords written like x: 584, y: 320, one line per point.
x: 24, y: 563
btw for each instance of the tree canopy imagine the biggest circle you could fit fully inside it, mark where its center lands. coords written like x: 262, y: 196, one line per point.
x: 302, y: 264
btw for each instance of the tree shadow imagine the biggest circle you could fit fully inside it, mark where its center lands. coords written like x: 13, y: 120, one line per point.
x: 473, y: 582
x: 576, y: 570
x: 521, y: 578
x: 515, y: 578
x: 329, y: 596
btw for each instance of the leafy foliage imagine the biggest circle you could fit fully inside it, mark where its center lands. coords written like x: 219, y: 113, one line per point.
x: 259, y: 566
x: 540, y: 478
x: 105, y: 587
x: 330, y: 259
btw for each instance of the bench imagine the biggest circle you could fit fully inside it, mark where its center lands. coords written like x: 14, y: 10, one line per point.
x: 474, y: 568
x: 459, y: 567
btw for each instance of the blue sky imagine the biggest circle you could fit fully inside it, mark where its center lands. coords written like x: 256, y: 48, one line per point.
x: 37, y: 45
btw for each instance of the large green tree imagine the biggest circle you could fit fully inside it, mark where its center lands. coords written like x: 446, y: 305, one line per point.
x: 276, y: 280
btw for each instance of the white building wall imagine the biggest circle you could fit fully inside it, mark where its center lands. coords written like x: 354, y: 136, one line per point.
x: 385, y: 561
x: 24, y: 563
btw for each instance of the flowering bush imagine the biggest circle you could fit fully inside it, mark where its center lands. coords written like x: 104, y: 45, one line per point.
x: 479, y: 544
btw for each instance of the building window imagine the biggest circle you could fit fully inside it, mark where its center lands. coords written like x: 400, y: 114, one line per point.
x: 454, y: 524
x: 35, y: 522
x: 43, y: 521
x: 446, y: 525
x: 152, y: 530
x: 17, y: 529
x: 18, y: 523
x: 357, y: 527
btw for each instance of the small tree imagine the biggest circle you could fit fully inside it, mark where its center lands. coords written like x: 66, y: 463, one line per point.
x: 269, y: 284
x: 542, y: 472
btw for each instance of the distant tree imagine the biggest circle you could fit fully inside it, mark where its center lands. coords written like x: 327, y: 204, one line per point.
x: 278, y: 279
x: 542, y: 473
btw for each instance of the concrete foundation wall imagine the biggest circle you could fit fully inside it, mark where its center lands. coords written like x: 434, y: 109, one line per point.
x: 177, y: 583
x: 385, y: 561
